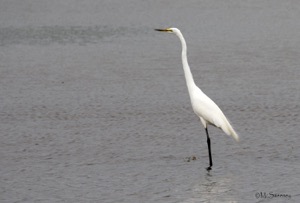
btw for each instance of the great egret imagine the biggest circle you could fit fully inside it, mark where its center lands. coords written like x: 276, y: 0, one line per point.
x: 205, y: 108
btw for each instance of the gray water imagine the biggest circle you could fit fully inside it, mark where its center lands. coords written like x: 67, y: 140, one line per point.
x: 94, y: 106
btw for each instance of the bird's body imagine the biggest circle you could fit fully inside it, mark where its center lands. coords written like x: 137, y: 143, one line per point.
x: 204, y: 107
x: 209, y: 113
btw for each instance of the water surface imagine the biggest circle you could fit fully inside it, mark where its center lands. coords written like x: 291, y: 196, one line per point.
x: 94, y: 106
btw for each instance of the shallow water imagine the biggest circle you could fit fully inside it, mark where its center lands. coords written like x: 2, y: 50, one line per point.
x: 94, y: 106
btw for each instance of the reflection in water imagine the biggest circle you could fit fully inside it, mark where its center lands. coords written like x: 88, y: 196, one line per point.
x: 213, y: 189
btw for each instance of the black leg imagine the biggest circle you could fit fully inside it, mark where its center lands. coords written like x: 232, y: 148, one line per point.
x: 209, y: 150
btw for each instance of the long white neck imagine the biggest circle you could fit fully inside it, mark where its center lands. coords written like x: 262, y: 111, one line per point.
x: 187, y: 71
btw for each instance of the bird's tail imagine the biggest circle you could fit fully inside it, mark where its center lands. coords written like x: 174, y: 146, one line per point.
x: 231, y: 132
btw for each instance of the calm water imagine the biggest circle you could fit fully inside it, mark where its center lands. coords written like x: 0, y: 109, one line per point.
x: 94, y: 106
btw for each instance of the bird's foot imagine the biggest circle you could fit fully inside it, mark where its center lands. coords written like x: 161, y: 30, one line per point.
x: 208, y: 168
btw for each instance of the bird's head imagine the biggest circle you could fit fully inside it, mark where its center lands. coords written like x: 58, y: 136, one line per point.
x: 170, y: 30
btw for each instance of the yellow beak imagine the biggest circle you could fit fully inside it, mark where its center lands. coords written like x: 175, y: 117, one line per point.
x: 164, y: 30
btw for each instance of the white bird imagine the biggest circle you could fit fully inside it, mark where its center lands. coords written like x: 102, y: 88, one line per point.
x: 205, y: 108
